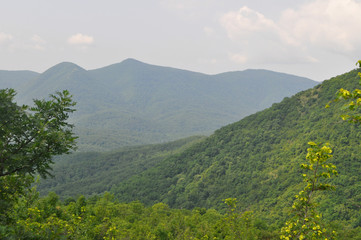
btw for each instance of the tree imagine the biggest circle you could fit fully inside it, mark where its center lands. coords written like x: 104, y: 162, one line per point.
x: 238, y: 225
x: 353, y: 101
x: 306, y: 221
x: 29, y: 138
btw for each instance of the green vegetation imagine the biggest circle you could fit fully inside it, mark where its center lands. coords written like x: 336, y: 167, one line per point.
x: 104, y: 218
x: 93, y: 172
x: 256, y: 159
x: 251, y: 166
x: 29, y: 137
x: 353, y: 104
x: 133, y: 103
x: 306, y: 222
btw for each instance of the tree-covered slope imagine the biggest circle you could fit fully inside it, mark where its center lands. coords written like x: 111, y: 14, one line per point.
x: 91, y: 173
x: 257, y: 160
x: 133, y: 103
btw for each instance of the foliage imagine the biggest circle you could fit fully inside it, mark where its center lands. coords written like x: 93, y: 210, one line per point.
x: 29, y: 138
x: 254, y: 160
x: 306, y: 222
x: 353, y: 104
x: 96, y: 172
x: 104, y: 218
x: 239, y: 225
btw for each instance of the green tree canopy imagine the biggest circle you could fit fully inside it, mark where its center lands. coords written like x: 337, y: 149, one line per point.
x: 353, y: 103
x: 29, y: 137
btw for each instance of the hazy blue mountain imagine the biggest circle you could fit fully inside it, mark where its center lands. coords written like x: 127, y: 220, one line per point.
x: 90, y: 94
x: 132, y: 103
x: 15, y: 79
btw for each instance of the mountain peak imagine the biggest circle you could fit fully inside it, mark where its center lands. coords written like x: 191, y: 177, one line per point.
x: 131, y: 60
x: 65, y: 66
x: 129, y: 64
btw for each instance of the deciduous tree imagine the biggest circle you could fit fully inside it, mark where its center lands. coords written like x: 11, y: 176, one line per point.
x: 306, y: 221
x: 29, y: 138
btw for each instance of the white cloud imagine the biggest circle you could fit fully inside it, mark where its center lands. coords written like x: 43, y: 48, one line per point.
x: 38, y: 42
x: 208, y: 31
x: 37, y: 39
x: 26, y: 43
x: 80, y: 39
x: 238, y: 58
x: 258, y: 39
x: 241, y: 23
x: 331, y: 25
x: 4, y: 37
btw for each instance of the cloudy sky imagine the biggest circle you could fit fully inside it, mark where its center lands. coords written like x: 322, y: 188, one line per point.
x: 313, y: 38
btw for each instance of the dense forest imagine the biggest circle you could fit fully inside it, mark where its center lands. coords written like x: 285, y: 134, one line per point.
x: 256, y: 160
x: 90, y: 173
x: 242, y: 182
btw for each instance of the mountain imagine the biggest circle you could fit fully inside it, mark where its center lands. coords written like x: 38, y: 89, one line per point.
x: 257, y: 161
x: 134, y: 103
x: 15, y: 79
x: 86, y: 90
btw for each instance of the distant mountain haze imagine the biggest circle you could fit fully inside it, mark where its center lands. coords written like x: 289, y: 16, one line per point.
x: 133, y: 103
x: 15, y: 79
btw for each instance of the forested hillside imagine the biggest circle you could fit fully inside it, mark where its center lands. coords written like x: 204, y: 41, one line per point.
x: 134, y: 103
x: 257, y: 161
x: 92, y: 173
x: 239, y: 183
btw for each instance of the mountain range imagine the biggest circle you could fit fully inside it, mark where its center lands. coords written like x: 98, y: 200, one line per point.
x: 255, y: 160
x: 134, y: 103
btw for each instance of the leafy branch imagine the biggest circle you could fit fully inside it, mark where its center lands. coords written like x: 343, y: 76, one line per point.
x: 306, y: 222
x: 353, y: 101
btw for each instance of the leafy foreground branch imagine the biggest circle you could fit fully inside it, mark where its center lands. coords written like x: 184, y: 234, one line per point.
x: 29, y: 138
x: 306, y: 222
x: 353, y: 101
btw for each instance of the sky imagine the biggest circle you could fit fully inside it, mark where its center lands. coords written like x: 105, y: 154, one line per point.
x: 318, y: 39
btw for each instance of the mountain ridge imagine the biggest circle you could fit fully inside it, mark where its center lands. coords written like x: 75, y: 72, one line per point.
x: 16, y: 78
x: 133, y: 103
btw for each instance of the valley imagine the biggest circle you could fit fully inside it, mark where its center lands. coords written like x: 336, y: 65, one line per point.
x: 254, y: 160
